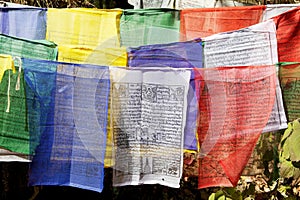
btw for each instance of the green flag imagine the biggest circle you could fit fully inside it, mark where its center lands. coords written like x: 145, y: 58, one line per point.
x: 149, y: 26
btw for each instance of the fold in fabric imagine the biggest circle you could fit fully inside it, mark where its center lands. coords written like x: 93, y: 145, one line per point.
x: 235, y: 105
x: 288, y: 35
x: 149, y: 26
x: 289, y: 76
x: 203, y: 22
x: 273, y: 10
x: 71, y: 145
x: 175, y: 55
x: 102, y: 55
x: 13, y: 22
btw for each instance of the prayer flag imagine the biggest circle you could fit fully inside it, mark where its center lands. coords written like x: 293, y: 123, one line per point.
x: 203, y: 22
x: 24, y: 22
x: 149, y: 26
x: 288, y: 35
x: 235, y: 105
x: 73, y: 124
x: 175, y: 55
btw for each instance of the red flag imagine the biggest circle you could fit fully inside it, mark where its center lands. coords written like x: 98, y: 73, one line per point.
x: 203, y: 22
x: 235, y: 105
x: 288, y: 35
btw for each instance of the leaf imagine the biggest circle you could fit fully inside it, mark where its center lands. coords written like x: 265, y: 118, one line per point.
x: 286, y: 169
x: 233, y: 193
x: 212, y: 196
x: 294, y: 141
x: 282, y: 189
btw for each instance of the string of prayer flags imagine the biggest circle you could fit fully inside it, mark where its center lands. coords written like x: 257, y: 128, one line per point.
x: 289, y: 76
x: 288, y: 35
x: 175, y: 55
x: 35, y: 49
x: 72, y: 144
x: 203, y: 22
x: 148, y: 116
x: 235, y: 105
x: 13, y: 22
x: 254, y: 45
x: 149, y: 26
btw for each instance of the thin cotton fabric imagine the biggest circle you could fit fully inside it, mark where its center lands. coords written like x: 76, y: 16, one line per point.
x: 87, y: 35
x: 25, y: 22
x: 72, y: 143
x: 13, y: 117
x: 149, y: 26
x: 235, y: 105
x: 35, y: 49
x: 6, y: 62
x: 203, y: 22
x: 254, y: 45
x: 289, y: 76
x: 175, y: 55
x: 273, y: 10
x: 14, y: 122
x: 288, y: 35
x: 149, y: 115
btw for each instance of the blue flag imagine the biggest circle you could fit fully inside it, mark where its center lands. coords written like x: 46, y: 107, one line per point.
x: 176, y: 55
x: 24, y: 22
x: 71, y: 145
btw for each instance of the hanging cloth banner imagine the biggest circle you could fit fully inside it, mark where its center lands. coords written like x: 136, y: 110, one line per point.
x: 273, y: 10
x: 203, y: 22
x: 254, y: 45
x: 148, y: 116
x: 176, y: 55
x: 15, y: 130
x: 35, y: 49
x: 288, y: 35
x: 235, y: 105
x: 24, y: 22
x: 72, y: 142
x: 289, y: 75
x: 87, y: 35
x: 149, y: 26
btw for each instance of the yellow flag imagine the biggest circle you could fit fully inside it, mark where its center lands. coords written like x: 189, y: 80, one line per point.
x: 6, y: 62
